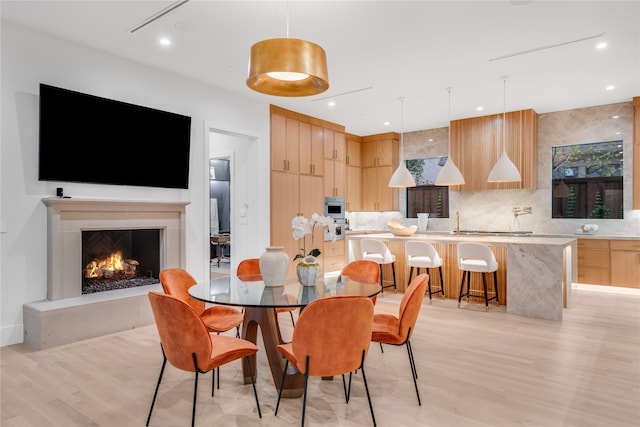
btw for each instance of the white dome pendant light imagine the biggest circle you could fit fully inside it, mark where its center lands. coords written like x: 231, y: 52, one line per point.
x: 504, y: 170
x: 449, y: 174
x: 401, y: 178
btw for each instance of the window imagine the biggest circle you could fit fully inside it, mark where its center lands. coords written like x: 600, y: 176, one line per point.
x: 427, y: 197
x: 586, y: 180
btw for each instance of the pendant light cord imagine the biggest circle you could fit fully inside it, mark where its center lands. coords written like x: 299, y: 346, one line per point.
x: 401, y: 127
x: 504, y: 114
x: 449, y: 90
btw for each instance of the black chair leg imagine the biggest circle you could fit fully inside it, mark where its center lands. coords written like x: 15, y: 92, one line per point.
x: 155, y: 394
x: 441, y: 281
x: 411, y: 274
x: 253, y: 383
x: 292, y: 321
x: 366, y: 387
x: 304, y: 397
x: 414, y: 371
x: 495, y: 284
x: 195, y: 400
x: 484, y: 285
x: 393, y: 271
x: 284, y: 376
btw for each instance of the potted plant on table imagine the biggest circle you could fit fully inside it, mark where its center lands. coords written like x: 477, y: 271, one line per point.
x: 308, y: 269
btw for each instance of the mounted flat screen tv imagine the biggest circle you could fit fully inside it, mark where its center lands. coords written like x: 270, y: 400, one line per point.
x: 88, y: 139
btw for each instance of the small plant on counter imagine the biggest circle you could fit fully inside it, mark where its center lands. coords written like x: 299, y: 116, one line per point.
x: 303, y: 226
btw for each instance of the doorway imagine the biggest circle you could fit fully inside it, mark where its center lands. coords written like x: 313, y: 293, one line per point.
x: 220, y: 214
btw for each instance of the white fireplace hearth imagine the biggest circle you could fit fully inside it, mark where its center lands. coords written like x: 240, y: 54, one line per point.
x: 67, y: 315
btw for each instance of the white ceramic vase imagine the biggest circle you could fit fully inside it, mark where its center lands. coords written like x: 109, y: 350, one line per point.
x: 274, y: 264
x: 423, y: 220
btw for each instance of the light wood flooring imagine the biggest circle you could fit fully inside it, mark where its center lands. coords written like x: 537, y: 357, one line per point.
x: 476, y: 369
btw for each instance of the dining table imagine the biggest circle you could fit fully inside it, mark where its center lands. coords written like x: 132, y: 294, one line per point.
x: 259, y: 303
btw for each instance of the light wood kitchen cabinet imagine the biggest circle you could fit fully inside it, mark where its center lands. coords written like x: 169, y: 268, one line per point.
x: 379, y: 157
x: 334, y: 178
x: 593, y: 261
x: 353, y: 172
x: 376, y: 194
x: 333, y: 256
x: 284, y: 144
x: 476, y: 146
x: 311, y: 149
x: 334, y: 145
x: 334, y: 167
x: 298, y: 185
x: 353, y: 150
x: 625, y: 263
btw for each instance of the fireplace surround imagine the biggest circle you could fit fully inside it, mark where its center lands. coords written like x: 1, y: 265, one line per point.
x: 66, y: 315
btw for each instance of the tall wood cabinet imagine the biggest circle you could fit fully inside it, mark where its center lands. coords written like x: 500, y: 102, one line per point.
x: 353, y: 180
x: 380, y: 156
x: 334, y: 163
x: 476, y: 146
x: 298, y: 179
x: 636, y: 152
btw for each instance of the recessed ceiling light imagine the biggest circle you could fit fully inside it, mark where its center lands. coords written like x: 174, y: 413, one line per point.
x: 615, y: 117
x: 479, y: 108
x: 387, y: 123
x: 601, y: 45
x: 610, y: 87
x: 165, y: 41
x: 331, y: 103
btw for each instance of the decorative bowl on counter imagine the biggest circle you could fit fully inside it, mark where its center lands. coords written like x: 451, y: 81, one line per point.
x: 400, y: 230
x: 589, y: 228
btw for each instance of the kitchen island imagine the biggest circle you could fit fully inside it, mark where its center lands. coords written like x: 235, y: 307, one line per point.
x: 535, y: 273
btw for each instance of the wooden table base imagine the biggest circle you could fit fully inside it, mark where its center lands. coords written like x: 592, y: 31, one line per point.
x: 267, y: 320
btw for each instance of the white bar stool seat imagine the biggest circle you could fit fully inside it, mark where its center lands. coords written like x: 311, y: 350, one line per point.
x: 478, y: 258
x: 424, y: 255
x: 376, y: 250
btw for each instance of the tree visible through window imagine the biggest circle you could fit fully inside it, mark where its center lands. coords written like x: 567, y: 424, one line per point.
x: 586, y: 180
x: 426, y: 197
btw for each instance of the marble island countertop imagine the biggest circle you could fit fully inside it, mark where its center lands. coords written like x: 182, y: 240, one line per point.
x: 514, y: 234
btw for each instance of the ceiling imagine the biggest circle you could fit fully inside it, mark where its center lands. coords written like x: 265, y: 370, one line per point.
x: 379, y: 51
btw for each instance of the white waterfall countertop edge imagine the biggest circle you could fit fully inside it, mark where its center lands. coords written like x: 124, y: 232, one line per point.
x: 540, y: 269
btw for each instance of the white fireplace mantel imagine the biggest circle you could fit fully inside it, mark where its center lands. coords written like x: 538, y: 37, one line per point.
x: 68, y: 217
x: 67, y: 315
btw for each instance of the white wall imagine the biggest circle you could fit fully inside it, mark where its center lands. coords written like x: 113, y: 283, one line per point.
x: 30, y: 58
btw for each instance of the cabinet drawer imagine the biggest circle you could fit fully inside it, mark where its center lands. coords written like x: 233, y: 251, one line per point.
x: 592, y: 244
x: 593, y: 258
x: 625, y: 245
x: 594, y: 276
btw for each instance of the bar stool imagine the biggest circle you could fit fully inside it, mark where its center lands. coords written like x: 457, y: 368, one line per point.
x: 424, y: 255
x: 477, y: 257
x: 376, y: 250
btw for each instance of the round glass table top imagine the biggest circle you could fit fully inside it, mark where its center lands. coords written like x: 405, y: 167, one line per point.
x: 250, y: 291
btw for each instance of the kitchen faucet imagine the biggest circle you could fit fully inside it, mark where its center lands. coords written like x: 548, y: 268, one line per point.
x: 517, y: 211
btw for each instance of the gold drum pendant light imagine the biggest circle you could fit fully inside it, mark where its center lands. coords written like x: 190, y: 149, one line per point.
x: 449, y: 174
x: 504, y: 170
x: 288, y: 67
x: 402, y: 178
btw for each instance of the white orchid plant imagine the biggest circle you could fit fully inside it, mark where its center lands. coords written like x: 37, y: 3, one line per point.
x: 303, y: 226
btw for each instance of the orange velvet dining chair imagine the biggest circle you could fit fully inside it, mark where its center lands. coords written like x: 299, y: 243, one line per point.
x: 188, y: 345
x: 363, y: 270
x: 397, y: 330
x: 251, y: 267
x: 337, y: 349
x: 176, y: 282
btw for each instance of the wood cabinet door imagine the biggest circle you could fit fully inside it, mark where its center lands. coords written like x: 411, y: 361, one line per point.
x: 385, y: 193
x: 353, y: 152
x: 625, y: 263
x: 353, y: 188
x: 284, y: 207
x: 369, y: 189
x: 278, y: 143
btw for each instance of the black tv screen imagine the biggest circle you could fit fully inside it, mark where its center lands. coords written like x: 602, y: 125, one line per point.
x: 88, y: 139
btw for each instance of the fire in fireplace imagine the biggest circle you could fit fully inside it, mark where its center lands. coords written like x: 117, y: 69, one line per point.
x: 118, y: 259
